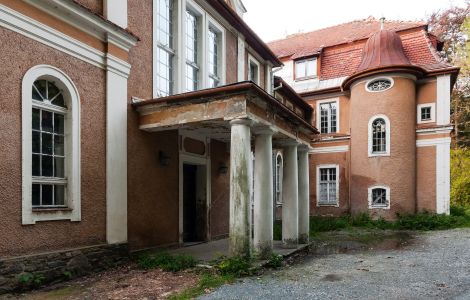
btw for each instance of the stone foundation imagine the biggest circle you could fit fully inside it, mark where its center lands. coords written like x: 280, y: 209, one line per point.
x: 32, y: 271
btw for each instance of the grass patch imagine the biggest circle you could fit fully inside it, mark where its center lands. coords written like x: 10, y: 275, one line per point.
x: 226, y: 270
x: 459, y: 217
x: 208, y: 282
x: 166, y: 262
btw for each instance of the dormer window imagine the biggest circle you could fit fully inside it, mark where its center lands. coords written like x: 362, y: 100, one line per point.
x: 305, y: 69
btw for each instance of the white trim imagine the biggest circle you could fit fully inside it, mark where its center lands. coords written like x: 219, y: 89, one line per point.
x: 72, y: 147
x: 325, y: 166
x: 377, y: 79
x: 387, y: 136
x: 443, y: 100
x: 48, y: 36
x: 433, y: 142
x: 443, y: 178
x: 330, y: 149
x: 427, y: 131
x: 241, y: 60
x: 251, y: 59
x: 116, y: 158
x: 116, y: 11
x: 369, y: 196
x: 269, y: 79
x: 81, y: 18
x: 318, y: 112
x: 433, y: 113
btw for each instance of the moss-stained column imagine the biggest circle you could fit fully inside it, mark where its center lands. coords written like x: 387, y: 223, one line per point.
x: 263, y: 206
x: 304, y: 197
x: 240, y: 206
x: 290, y: 196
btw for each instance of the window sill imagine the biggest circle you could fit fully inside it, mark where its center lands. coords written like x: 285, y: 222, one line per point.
x: 51, y: 209
x: 327, y: 205
x: 379, y: 207
x: 378, y: 154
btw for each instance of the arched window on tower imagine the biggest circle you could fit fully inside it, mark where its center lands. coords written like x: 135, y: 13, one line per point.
x: 379, y: 136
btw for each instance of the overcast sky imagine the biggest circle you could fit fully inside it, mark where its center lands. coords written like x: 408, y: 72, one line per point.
x: 273, y: 19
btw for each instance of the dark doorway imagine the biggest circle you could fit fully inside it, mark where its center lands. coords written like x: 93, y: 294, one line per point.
x: 194, y: 203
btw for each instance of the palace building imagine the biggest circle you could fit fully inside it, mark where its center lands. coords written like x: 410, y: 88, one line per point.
x: 129, y: 125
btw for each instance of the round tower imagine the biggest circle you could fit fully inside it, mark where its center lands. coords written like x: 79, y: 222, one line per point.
x: 383, y: 136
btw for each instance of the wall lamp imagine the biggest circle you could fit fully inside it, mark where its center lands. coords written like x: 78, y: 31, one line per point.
x: 163, y: 159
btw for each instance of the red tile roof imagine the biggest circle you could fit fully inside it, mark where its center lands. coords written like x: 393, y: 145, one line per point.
x: 304, y: 44
x: 341, y: 46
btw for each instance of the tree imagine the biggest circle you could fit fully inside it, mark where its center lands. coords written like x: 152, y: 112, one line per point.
x: 452, y: 27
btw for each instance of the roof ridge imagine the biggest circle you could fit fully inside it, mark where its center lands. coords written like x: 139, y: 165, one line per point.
x: 368, y: 19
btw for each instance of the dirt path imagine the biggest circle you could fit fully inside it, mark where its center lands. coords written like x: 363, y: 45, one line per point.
x: 436, y: 265
x: 122, y: 283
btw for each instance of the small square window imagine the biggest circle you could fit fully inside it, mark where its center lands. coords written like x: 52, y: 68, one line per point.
x: 426, y: 113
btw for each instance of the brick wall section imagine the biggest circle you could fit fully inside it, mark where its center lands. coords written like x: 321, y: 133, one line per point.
x: 26, y: 272
x: 220, y: 190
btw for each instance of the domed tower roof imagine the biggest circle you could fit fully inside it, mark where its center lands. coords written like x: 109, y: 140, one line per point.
x: 383, y: 52
x: 384, y: 48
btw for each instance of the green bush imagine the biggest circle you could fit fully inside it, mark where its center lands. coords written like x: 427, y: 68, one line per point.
x: 167, y: 262
x: 236, y: 265
x: 460, y: 177
x: 275, y: 261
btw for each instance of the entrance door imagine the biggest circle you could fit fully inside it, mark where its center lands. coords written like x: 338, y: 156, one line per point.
x: 194, y: 203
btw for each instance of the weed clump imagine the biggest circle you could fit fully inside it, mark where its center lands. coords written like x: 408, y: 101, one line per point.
x: 166, y: 262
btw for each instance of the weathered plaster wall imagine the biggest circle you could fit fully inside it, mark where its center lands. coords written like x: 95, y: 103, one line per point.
x: 398, y: 171
x: 231, y: 60
x: 220, y: 190
x: 426, y: 178
x: 341, y: 159
x: 17, y: 239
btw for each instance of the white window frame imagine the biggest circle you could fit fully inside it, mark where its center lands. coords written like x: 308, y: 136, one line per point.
x: 253, y: 60
x: 327, y: 166
x: 306, y: 77
x: 197, y: 11
x: 433, y: 113
x: 387, y: 136
x: 278, y: 177
x: 72, y: 211
x: 338, y: 115
x: 211, y: 23
x: 369, y: 197
x: 379, y: 78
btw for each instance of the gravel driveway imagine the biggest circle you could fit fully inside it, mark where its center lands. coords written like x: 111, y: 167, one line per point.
x: 435, y: 266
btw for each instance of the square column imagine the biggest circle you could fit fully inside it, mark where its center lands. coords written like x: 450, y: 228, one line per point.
x: 304, y: 196
x: 290, y: 196
x: 240, y: 206
x: 263, y: 206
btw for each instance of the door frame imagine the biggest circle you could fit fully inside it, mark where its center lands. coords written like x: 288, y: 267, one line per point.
x: 186, y: 158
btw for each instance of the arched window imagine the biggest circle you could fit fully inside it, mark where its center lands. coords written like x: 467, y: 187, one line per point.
x: 379, y: 136
x: 51, y: 170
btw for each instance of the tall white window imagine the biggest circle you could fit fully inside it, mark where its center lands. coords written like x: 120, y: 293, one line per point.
x: 51, y: 148
x: 253, y: 70
x: 379, y: 197
x: 328, y: 117
x: 213, y: 38
x: 192, y: 51
x: 379, y: 136
x: 278, y: 172
x: 48, y: 145
x: 165, y: 51
x: 306, y: 69
x: 327, y: 185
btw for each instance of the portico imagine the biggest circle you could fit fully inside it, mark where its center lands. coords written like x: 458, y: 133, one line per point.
x: 251, y: 123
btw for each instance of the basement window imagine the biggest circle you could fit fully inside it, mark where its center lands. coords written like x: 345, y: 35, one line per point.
x: 379, y: 197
